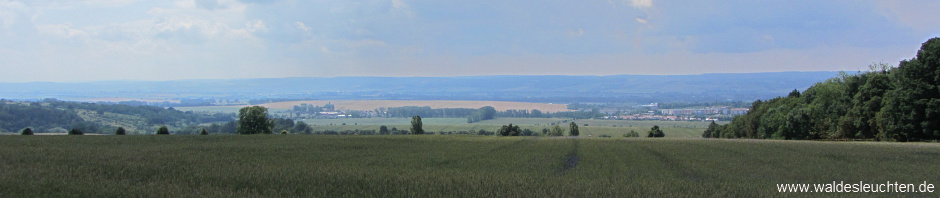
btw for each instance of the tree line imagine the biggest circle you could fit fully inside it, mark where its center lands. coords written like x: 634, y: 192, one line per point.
x: 886, y: 104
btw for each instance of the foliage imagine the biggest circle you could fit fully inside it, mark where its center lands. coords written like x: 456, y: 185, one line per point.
x: 204, y: 132
x: 284, y: 132
x: 76, y: 132
x: 509, y: 130
x: 656, y: 132
x: 163, y: 131
x: 254, y: 120
x: 26, y: 131
x: 383, y: 130
x: 120, y: 131
x: 484, y: 113
x: 887, y: 104
x: 417, y: 128
x: 632, y: 133
x: 556, y: 131
x: 573, y: 129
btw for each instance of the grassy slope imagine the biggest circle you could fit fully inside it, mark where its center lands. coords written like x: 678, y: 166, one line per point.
x: 434, y: 166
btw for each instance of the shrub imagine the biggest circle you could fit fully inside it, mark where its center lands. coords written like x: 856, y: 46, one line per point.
x: 120, y: 131
x: 26, y: 131
x: 76, y: 131
x: 163, y: 131
x: 632, y: 133
x: 204, y: 132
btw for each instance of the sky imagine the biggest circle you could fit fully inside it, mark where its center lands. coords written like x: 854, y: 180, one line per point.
x: 95, y: 40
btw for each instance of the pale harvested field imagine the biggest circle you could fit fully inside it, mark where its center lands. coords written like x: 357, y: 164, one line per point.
x: 368, y: 105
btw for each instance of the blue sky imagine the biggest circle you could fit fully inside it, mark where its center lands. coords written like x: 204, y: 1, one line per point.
x: 90, y: 40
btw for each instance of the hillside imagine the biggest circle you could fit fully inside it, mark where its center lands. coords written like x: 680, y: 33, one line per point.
x: 554, y: 89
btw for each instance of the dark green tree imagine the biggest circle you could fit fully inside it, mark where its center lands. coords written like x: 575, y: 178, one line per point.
x: 417, y: 128
x: 383, y: 130
x: 710, y: 130
x: 573, y: 129
x: 163, y: 131
x: 204, y: 132
x: 254, y: 120
x: 656, y: 132
x: 120, y: 131
x: 26, y: 131
x: 76, y: 131
x: 509, y: 130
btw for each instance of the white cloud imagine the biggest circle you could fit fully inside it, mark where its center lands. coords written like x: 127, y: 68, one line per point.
x: 60, y: 31
x: 256, y: 26
x: 641, y: 20
x: 300, y: 25
x: 642, y: 4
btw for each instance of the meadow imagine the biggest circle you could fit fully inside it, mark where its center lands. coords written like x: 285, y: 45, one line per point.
x: 439, y: 166
x: 614, y: 128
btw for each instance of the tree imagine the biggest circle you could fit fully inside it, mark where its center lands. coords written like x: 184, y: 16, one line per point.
x: 254, y: 120
x: 656, y: 132
x: 573, y: 129
x: 509, y: 130
x: 383, y: 130
x: 795, y: 93
x: 301, y: 127
x: 26, y: 131
x: 76, y: 131
x: 204, y: 132
x: 284, y: 132
x: 632, y: 133
x: 556, y: 131
x: 120, y: 131
x: 163, y: 131
x: 417, y: 127
x: 711, y: 129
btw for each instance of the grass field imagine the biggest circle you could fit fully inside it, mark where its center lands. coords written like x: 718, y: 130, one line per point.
x: 445, y: 166
x: 615, y: 128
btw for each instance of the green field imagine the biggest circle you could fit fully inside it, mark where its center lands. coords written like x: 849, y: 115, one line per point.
x: 673, y: 129
x: 445, y: 166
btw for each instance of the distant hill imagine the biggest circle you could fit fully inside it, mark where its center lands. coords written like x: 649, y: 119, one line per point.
x: 557, y: 89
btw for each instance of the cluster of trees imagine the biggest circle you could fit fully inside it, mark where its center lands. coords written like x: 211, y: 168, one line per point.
x: 309, y: 109
x: 513, y: 130
x: 51, y: 115
x: 886, y: 104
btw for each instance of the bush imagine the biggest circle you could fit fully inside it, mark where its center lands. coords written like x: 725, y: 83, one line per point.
x: 204, y: 132
x: 604, y: 136
x: 76, y: 131
x: 26, y: 131
x: 120, y: 131
x: 656, y: 132
x: 163, y: 131
x: 632, y: 133
x: 284, y: 132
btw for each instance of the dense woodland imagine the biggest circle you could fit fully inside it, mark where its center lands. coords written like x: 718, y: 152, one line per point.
x: 886, y: 104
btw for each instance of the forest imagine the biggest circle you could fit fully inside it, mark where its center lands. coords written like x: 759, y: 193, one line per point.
x: 885, y: 103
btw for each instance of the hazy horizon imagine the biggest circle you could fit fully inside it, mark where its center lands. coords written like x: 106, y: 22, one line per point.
x: 145, y: 40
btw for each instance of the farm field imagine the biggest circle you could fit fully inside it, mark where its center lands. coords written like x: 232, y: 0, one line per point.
x: 445, y: 166
x: 615, y: 128
x: 370, y: 105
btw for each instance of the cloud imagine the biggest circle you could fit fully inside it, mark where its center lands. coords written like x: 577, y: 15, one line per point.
x: 642, y: 4
x: 640, y: 20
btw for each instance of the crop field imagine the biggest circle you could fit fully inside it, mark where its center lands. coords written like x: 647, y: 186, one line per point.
x: 445, y: 166
x: 615, y: 128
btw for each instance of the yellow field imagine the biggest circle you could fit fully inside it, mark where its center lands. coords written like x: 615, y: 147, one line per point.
x: 368, y: 105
